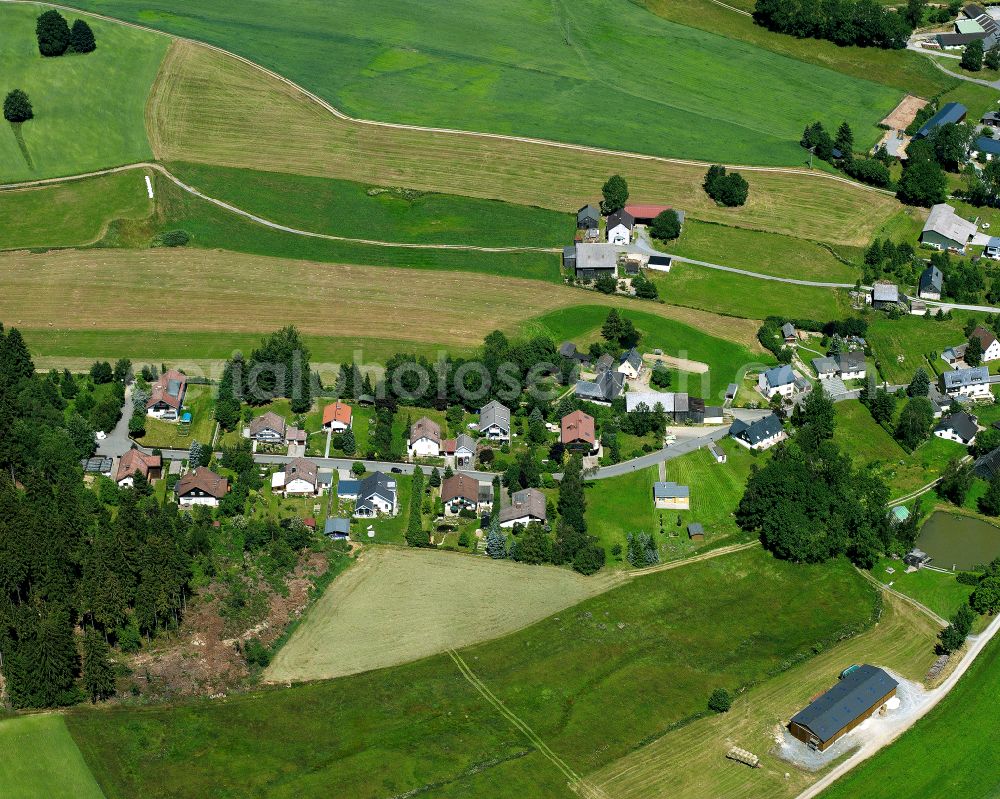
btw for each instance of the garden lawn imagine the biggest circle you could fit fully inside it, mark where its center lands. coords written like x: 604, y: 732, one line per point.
x: 89, y: 109
x: 210, y: 108
x: 716, y: 489
x: 580, y: 679
x: 941, y: 592
x: 199, y: 401
x: 70, y: 214
x: 868, y: 443
x: 38, y: 758
x: 554, y: 77
x: 767, y: 253
x: 358, y: 210
x: 621, y: 505
x: 950, y: 752
x: 387, y: 529
x: 917, y: 339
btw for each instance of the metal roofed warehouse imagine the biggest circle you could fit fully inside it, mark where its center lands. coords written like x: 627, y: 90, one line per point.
x: 855, y: 698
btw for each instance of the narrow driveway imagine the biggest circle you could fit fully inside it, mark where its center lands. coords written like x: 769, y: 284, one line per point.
x: 118, y: 442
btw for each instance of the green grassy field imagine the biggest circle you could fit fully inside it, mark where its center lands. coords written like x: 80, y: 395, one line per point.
x: 940, y: 756
x: 89, y: 109
x: 357, y: 210
x: 942, y: 593
x: 725, y: 359
x: 38, y: 758
x: 553, y: 77
x: 914, y: 338
x: 860, y: 437
x: 592, y: 681
x: 749, y: 297
x: 70, y: 214
x: 715, y: 491
x: 767, y: 253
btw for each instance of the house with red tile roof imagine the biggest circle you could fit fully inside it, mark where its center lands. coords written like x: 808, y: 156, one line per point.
x: 578, y: 433
x: 166, y: 396
x: 337, y: 417
x: 135, y: 460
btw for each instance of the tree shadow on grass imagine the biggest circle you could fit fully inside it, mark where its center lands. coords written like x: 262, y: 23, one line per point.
x: 21, y: 144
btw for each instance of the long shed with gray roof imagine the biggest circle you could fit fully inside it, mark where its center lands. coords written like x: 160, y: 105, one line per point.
x: 857, y: 696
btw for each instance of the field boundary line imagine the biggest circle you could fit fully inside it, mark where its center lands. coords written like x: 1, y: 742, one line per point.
x: 457, y: 132
x: 908, y: 599
x: 676, y: 564
x: 577, y: 783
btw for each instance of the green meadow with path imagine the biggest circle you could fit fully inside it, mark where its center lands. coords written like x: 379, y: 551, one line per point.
x: 89, y: 109
x: 613, y: 76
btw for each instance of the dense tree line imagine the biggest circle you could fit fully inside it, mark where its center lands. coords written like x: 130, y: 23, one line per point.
x: 65, y: 564
x: 866, y: 23
x: 809, y: 503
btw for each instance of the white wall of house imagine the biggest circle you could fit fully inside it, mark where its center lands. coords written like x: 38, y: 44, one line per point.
x: 856, y: 375
x: 672, y: 503
x: 424, y: 448
x: 381, y: 506
x: 977, y: 391
x: 767, y: 443
x: 337, y: 427
x: 769, y: 391
x: 299, y: 487
x: 627, y: 370
x: 212, y: 502
x: 619, y: 234
x: 951, y: 435
x: 161, y: 412
x: 522, y: 520
x: 992, y: 352
x: 496, y: 433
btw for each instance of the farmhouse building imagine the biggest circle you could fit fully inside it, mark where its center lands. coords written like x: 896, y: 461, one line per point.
x: 577, y: 433
x: 376, y: 496
x: 989, y: 342
x: 671, y: 496
x: 337, y: 417
x: 788, y: 333
x: 588, y: 218
x: 949, y: 113
x: 778, y: 380
x: 167, y: 395
x: 603, y: 390
x: 826, y: 367
x: 961, y: 427
x: 851, y: 365
x: 135, y: 460
x: 201, y: 487
x: 425, y: 438
x: 494, y: 417
x: 620, y: 225
x: 851, y: 701
x: 630, y: 363
x: 525, y: 506
x: 884, y: 295
x: 645, y: 213
x: 300, y: 479
x: 973, y: 383
x: 931, y: 282
x: 591, y: 261
x: 946, y: 230
x: 760, y: 434
x: 268, y: 428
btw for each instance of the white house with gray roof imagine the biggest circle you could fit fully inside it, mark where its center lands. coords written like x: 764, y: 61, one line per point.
x: 777, y: 381
x: 603, y: 390
x: 946, y: 230
x: 760, y: 434
x: 961, y: 427
x: 494, y: 421
x: 376, y: 496
x: 671, y: 496
x: 630, y: 363
x: 931, y: 283
x: 884, y: 295
x: 973, y: 383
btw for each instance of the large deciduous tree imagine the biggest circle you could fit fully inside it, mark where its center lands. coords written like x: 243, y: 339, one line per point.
x: 17, y: 107
x: 52, y: 33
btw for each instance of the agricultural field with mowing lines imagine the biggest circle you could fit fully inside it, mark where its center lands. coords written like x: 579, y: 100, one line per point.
x: 553, y: 77
x: 429, y: 601
x: 89, y: 110
x: 767, y: 253
x: 207, y: 107
x: 689, y: 763
x: 579, y: 679
x: 943, y: 754
x: 38, y: 758
x: 357, y: 210
x: 70, y: 214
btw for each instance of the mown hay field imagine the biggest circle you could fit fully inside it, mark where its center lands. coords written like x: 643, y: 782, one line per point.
x: 89, y: 109
x: 207, y: 107
x: 690, y: 763
x: 38, y: 758
x: 592, y: 72
x: 397, y: 605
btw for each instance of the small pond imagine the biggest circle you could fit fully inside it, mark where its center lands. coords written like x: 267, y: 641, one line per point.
x: 958, y: 542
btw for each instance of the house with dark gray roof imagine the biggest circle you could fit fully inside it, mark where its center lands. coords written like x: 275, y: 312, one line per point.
x: 988, y: 465
x: 494, y: 420
x: 857, y: 696
x: 525, y: 506
x: 620, y: 225
x: 826, y: 367
x: 630, y: 363
x: 884, y: 295
x: 595, y: 260
x: 852, y: 365
x: 788, y: 332
x: 671, y: 496
x: 603, y: 390
x: 760, y: 434
x: 588, y: 217
x: 949, y: 113
x: 778, y: 380
x: 946, y: 230
x: 337, y: 528
x: 931, y: 282
x: 973, y: 383
x: 376, y: 496
x: 961, y: 427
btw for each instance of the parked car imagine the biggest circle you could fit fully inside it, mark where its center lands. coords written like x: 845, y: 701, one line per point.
x: 396, y: 470
x: 100, y: 435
